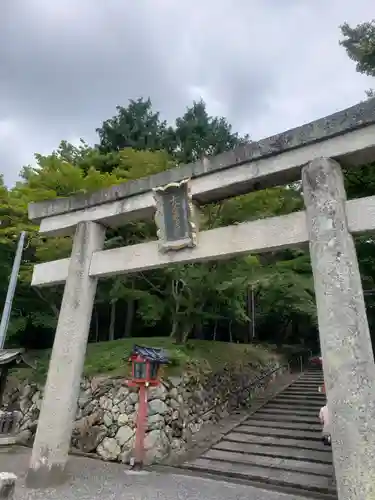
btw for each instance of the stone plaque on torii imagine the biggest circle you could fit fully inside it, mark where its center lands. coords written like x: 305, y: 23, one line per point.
x: 316, y: 150
x: 175, y: 217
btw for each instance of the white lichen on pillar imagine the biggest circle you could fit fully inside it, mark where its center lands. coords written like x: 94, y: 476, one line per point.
x: 348, y: 361
x: 7, y: 485
x: 52, y: 441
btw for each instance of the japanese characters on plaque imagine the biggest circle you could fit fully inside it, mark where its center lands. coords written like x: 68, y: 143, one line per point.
x: 175, y: 216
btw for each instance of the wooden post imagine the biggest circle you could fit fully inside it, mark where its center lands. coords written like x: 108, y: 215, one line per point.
x: 141, y: 427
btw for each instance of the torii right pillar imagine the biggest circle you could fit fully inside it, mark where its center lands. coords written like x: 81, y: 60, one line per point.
x: 348, y: 360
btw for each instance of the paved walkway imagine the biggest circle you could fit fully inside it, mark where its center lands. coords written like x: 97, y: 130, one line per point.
x: 94, y: 480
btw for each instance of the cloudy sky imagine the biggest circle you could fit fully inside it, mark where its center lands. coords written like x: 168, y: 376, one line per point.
x: 267, y: 65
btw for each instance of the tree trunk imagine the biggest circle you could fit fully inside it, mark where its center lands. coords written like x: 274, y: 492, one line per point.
x: 249, y: 330
x: 198, y: 331
x: 96, y: 323
x: 130, y: 307
x: 230, y: 331
x: 215, y: 330
x: 111, y: 335
x: 174, y: 328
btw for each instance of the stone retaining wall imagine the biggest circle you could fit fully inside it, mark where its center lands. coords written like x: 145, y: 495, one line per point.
x: 178, y: 408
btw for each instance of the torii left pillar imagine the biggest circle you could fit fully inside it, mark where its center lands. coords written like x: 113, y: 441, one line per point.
x: 52, y: 442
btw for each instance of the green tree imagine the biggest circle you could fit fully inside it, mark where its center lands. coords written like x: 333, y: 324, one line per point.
x: 198, y: 134
x: 194, y: 135
x: 137, y: 126
x: 359, y: 43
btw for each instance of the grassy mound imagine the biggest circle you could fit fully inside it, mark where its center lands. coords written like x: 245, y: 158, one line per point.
x: 110, y: 358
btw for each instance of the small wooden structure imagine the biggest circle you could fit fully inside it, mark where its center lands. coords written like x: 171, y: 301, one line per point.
x: 9, y: 358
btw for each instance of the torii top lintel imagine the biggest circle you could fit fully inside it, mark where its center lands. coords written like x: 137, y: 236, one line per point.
x: 250, y: 156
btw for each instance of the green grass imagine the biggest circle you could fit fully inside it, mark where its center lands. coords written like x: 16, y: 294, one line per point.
x: 110, y: 358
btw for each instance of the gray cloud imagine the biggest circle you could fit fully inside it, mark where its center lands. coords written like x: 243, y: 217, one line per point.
x: 265, y: 64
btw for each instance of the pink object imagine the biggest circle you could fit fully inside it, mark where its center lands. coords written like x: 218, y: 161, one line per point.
x: 325, y: 419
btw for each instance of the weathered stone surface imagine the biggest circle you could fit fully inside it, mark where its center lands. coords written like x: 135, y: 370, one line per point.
x: 90, y: 440
x: 108, y: 419
x: 122, y: 393
x: 124, y: 434
x: 173, y: 393
x: 125, y: 456
x: 157, y: 407
x: 84, y: 399
x: 348, y: 361
x: 105, y: 403
x: 109, y: 449
x: 156, y: 446
x: 123, y: 419
x: 156, y: 421
x: 132, y: 398
x: 7, y: 485
x: 176, y: 381
x: 158, y: 392
x: 24, y: 437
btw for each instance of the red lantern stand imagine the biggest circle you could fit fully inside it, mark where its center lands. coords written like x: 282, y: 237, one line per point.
x: 145, y: 373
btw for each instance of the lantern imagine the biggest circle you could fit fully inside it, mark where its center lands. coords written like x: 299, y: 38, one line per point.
x: 146, y: 362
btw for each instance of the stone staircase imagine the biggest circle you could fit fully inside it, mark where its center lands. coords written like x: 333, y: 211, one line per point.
x: 279, y: 446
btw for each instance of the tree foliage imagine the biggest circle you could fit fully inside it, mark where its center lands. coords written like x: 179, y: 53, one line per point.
x: 359, y: 43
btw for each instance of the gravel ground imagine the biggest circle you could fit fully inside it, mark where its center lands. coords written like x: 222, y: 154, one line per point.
x: 94, y: 480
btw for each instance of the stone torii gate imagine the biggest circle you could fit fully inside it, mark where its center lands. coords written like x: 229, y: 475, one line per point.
x: 317, y: 150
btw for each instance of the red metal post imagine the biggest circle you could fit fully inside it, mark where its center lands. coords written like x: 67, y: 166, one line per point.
x: 141, y: 426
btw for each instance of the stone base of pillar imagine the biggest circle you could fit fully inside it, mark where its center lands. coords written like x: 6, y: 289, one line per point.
x: 46, y: 477
x: 7, y: 485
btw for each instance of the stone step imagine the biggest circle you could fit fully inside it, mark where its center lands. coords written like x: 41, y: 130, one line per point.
x: 270, y: 476
x: 312, y: 373
x: 303, y: 395
x: 241, y: 437
x: 300, y: 392
x: 319, y: 456
x: 273, y: 462
x: 296, y: 406
x: 292, y: 417
x: 259, y: 422
x: 308, y: 387
x: 292, y: 403
x: 305, y: 386
x: 279, y: 432
x: 279, y: 446
x: 314, y: 393
x: 276, y: 410
x: 301, y: 400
